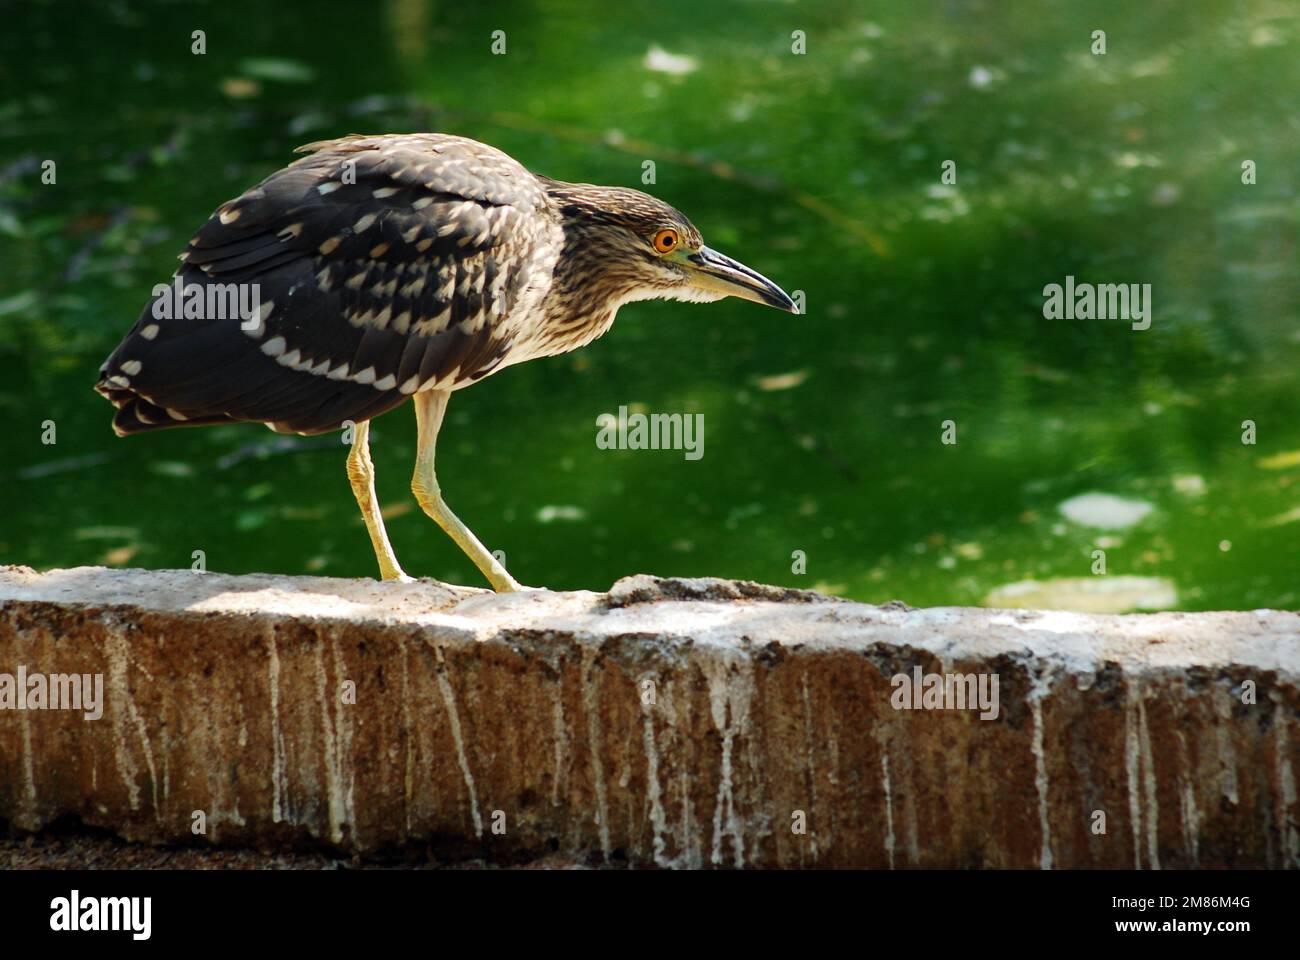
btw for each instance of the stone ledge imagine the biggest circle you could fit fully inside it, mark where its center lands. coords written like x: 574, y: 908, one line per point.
x: 670, y: 722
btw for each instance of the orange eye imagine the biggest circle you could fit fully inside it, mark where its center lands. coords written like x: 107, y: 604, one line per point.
x: 666, y: 240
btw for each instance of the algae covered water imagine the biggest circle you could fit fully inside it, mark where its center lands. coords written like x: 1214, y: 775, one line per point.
x: 929, y: 429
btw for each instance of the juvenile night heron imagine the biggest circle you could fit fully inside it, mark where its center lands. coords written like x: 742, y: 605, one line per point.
x: 396, y: 266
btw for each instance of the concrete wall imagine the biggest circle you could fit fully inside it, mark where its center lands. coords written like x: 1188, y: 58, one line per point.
x: 670, y: 722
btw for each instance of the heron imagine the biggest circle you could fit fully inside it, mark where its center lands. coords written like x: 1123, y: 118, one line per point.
x: 381, y: 268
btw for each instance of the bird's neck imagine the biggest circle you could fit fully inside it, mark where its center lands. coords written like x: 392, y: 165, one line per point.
x: 589, y: 282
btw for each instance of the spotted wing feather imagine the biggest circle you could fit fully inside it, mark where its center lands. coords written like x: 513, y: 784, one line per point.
x: 382, y: 265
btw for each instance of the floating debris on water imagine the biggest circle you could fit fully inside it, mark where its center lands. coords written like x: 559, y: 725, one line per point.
x: 783, y: 381
x: 661, y: 61
x: 240, y: 88
x: 67, y: 465
x: 19, y: 302
x: 1101, y: 594
x: 1290, y: 516
x: 982, y: 78
x: 120, y: 556
x: 106, y: 533
x: 1104, y: 510
x: 830, y: 589
x: 551, y: 513
x: 274, y: 68
x: 264, y: 449
x: 1281, y: 461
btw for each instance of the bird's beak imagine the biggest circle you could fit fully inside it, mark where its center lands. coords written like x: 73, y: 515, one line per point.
x: 716, y: 273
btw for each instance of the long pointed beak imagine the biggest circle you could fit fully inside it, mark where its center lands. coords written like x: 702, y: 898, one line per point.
x: 720, y: 274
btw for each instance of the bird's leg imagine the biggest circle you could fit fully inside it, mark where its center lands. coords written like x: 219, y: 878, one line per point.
x: 361, y: 472
x: 429, y: 408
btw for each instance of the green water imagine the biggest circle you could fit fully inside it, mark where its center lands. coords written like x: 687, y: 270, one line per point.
x: 821, y: 170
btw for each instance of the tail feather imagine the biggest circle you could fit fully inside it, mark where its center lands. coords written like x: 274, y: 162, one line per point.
x: 137, y: 415
x: 184, y: 372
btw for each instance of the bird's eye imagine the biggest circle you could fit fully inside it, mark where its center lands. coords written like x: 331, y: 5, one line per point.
x: 665, y: 241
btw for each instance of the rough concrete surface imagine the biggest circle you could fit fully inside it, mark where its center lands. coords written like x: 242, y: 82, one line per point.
x: 671, y: 722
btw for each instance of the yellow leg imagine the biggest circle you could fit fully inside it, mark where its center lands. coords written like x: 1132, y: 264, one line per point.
x: 361, y: 472
x: 429, y: 409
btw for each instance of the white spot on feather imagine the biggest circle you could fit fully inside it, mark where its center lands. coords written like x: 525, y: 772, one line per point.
x: 259, y: 318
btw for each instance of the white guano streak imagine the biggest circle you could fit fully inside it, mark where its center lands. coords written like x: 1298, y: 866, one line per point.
x: 453, y: 718
x: 730, y: 692
x: 1041, y: 687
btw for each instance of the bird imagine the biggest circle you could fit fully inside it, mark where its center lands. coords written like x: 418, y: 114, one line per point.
x: 377, y: 269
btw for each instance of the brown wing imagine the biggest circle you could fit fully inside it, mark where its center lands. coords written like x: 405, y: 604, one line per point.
x: 380, y: 265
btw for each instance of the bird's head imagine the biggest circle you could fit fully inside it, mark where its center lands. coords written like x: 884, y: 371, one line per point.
x: 623, y: 245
